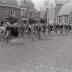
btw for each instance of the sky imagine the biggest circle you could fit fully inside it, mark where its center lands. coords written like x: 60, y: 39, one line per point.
x: 40, y: 3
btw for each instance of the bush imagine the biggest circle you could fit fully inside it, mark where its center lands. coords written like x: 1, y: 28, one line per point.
x: 42, y: 20
x: 31, y: 21
x: 13, y: 20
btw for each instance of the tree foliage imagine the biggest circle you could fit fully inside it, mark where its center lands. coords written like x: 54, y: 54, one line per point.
x: 12, y: 20
x: 31, y: 21
x: 42, y: 20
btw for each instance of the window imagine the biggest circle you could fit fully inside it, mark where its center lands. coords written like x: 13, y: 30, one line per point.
x: 23, y: 12
x: 30, y: 14
x: 70, y: 21
x: 5, y: 12
x: 12, y: 13
x: 23, y: 21
x: 66, y: 19
x: 59, y: 19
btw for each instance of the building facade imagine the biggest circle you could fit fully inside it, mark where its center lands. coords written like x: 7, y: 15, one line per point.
x: 57, y: 9
x: 24, y: 12
x: 59, y: 5
x: 34, y: 16
x: 46, y: 5
x: 28, y: 12
x: 65, y: 14
x: 50, y: 11
x: 9, y: 8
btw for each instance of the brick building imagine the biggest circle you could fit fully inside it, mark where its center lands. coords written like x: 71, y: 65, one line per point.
x: 34, y: 15
x: 57, y: 9
x: 27, y: 12
x: 65, y: 14
x: 9, y: 8
x: 59, y: 4
x: 23, y: 12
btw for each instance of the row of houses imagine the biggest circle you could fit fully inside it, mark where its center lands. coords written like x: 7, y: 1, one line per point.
x: 62, y: 13
x: 65, y: 14
x: 24, y: 12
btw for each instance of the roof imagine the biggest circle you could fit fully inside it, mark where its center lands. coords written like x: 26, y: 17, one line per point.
x: 23, y: 4
x: 26, y: 3
x: 62, y: 1
x: 10, y: 3
x: 66, y: 9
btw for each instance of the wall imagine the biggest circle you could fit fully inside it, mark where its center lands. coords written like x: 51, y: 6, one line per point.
x: 57, y: 9
x: 6, y: 11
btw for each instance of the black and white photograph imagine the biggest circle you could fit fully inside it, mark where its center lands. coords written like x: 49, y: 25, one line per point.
x: 35, y: 35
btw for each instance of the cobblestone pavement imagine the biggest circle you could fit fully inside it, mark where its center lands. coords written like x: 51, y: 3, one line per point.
x: 53, y: 55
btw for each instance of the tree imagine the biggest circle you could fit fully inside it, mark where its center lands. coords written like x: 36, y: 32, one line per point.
x: 12, y: 20
x: 42, y: 20
x: 31, y: 21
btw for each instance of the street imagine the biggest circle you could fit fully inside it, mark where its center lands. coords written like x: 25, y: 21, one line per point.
x: 52, y: 55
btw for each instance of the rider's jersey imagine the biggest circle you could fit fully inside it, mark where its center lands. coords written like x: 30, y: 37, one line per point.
x: 44, y: 27
x: 36, y: 28
x: 39, y: 29
x: 61, y: 26
x: 29, y: 29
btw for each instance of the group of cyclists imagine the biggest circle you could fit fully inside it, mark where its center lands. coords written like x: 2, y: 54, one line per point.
x: 31, y: 31
x: 39, y: 30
